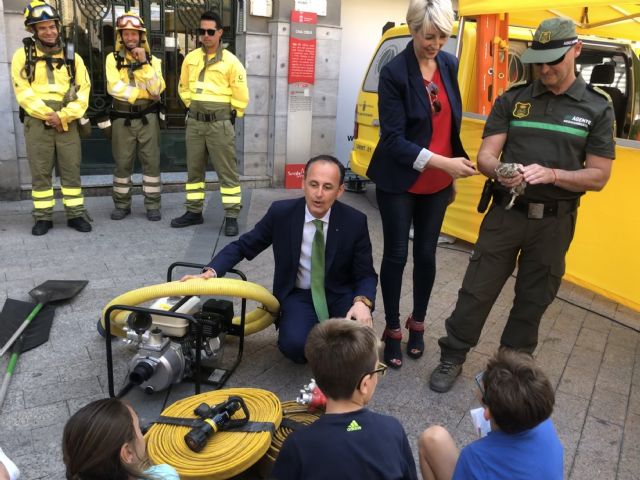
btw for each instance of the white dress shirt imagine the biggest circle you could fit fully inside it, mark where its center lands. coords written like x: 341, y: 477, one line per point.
x: 303, y: 279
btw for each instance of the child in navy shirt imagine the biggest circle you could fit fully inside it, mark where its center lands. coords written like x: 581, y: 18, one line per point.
x: 349, y: 441
x: 518, y: 401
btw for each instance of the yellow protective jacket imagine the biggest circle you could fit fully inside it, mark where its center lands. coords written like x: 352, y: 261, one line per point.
x: 147, y: 80
x: 31, y: 96
x: 225, y: 80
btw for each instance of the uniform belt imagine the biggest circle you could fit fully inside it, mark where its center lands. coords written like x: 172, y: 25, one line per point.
x: 210, y: 117
x: 140, y: 112
x: 128, y: 108
x: 546, y: 209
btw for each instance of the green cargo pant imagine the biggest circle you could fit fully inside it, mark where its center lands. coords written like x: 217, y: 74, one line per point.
x: 45, y: 148
x: 507, y: 237
x: 216, y: 141
x: 125, y: 141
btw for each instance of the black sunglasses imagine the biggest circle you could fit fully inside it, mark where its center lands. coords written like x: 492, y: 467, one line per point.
x: 555, y: 62
x: 432, y: 90
x: 208, y: 31
x: 381, y: 369
x: 480, y: 382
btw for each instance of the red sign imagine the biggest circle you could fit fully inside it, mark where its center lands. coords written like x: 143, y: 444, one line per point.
x: 293, y: 175
x: 302, y: 47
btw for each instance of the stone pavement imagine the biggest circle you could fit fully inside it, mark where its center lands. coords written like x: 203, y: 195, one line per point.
x: 593, y: 362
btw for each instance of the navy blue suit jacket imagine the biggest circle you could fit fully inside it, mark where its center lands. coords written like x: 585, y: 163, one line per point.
x: 405, y: 119
x: 348, y: 259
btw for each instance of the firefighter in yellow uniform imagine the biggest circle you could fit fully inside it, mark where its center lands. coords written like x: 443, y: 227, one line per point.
x: 213, y: 86
x: 134, y: 80
x: 53, y: 94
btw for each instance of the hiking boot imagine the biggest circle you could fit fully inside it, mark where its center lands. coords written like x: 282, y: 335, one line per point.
x: 153, y: 215
x: 80, y: 224
x: 41, y: 227
x: 188, y: 219
x: 120, y: 213
x: 444, y: 376
x: 230, y: 227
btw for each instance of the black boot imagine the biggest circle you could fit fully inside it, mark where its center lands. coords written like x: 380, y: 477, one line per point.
x: 230, y: 227
x: 188, y: 219
x: 80, y: 224
x: 154, y: 215
x: 120, y: 213
x: 444, y: 376
x: 41, y: 227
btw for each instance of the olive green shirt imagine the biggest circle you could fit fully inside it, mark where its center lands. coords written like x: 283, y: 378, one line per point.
x: 555, y: 131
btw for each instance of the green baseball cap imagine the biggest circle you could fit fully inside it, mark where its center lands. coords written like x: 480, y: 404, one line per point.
x: 553, y: 38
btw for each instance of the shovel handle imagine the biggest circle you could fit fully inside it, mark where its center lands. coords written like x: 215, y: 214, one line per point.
x: 3, y: 389
x: 10, y: 368
x: 22, y: 328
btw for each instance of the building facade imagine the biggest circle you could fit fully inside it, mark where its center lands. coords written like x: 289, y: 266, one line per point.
x: 258, y: 32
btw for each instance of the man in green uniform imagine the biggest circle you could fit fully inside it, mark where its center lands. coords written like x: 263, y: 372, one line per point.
x: 134, y: 80
x: 213, y: 86
x: 557, y: 133
x: 53, y: 93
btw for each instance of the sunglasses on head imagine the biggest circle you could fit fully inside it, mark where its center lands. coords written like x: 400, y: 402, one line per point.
x: 128, y: 20
x: 432, y: 90
x: 41, y: 10
x: 555, y: 62
x: 207, y: 31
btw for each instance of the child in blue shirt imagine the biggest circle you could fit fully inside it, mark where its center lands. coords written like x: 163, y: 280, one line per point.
x: 349, y: 441
x: 518, y: 401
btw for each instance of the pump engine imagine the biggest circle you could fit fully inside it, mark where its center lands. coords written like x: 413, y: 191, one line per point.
x: 167, y: 346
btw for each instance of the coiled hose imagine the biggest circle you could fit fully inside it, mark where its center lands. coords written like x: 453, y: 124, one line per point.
x: 255, y: 321
x: 291, y: 411
x: 226, y: 454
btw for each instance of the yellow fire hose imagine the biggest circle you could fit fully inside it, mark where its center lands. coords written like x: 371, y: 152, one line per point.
x: 292, y: 411
x: 255, y: 321
x: 226, y: 454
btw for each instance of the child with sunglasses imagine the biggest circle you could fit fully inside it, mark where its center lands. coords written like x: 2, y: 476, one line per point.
x: 349, y: 441
x: 518, y: 400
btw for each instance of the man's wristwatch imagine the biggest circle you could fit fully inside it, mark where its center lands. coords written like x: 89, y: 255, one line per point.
x: 365, y: 300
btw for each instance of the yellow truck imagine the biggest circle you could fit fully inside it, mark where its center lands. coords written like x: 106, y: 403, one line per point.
x: 603, y: 256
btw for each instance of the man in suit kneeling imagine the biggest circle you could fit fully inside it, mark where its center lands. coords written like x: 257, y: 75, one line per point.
x: 313, y: 279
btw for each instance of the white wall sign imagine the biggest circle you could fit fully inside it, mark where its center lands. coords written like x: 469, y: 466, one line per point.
x: 315, y: 6
x: 261, y: 8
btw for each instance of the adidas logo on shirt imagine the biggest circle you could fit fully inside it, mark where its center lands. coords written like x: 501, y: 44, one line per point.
x: 353, y: 426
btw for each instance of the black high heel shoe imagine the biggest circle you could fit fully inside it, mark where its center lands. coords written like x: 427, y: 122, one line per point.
x: 392, y: 352
x: 415, y: 345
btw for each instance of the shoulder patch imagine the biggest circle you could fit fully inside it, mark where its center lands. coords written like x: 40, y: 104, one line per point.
x: 521, y: 109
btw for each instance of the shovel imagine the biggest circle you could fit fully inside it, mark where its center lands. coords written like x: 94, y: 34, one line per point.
x: 49, y: 291
x: 35, y: 335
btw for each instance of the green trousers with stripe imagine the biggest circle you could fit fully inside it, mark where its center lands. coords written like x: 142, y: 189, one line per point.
x: 47, y: 147
x: 125, y: 142
x: 215, y: 141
